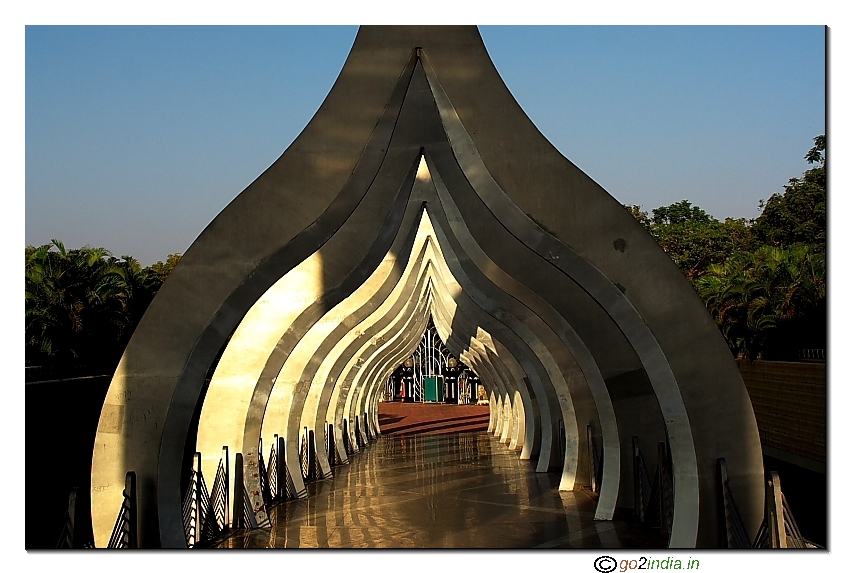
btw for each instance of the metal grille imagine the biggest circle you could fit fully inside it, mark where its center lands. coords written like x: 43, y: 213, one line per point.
x: 271, y: 471
x: 736, y: 536
x: 192, y: 506
x: 816, y: 354
x: 779, y: 528
x: 792, y: 531
x: 302, y: 456
x: 216, y: 519
x: 265, y: 482
x: 389, y: 390
x: 124, y: 534
x: 654, y: 500
x: 71, y: 537
x: 642, y: 485
x: 430, y: 358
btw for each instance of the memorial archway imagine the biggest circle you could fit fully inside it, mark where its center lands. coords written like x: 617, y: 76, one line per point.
x: 420, y: 191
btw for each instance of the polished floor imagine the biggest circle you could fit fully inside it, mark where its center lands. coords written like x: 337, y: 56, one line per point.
x: 463, y: 490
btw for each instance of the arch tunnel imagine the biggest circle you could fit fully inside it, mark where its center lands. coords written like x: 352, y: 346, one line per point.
x: 420, y: 192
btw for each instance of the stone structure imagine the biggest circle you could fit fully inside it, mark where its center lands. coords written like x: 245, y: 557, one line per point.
x: 421, y: 190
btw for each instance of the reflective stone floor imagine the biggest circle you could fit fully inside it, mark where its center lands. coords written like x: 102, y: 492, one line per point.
x: 441, y: 491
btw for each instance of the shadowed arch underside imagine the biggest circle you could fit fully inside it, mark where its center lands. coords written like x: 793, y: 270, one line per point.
x: 420, y: 191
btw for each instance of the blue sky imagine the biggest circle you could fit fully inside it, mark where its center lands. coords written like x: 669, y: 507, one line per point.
x: 137, y: 137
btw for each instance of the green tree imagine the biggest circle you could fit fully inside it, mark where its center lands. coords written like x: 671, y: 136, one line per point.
x: 162, y: 269
x: 762, y: 280
x: 769, y: 303
x: 82, y: 305
x: 642, y: 216
x: 70, y: 301
x: 693, y: 238
x: 798, y: 215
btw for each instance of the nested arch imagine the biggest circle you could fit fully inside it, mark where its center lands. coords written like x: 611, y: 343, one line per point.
x: 566, y: 321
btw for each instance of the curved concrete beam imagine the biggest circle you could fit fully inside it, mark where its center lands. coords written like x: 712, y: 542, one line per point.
x: 543, y: 266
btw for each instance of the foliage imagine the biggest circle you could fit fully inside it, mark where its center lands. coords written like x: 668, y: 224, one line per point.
x: 799, y: 214
x: 762, y: 280
x: 768, y: 303
x: 693, y: 238
x: 83, y: 304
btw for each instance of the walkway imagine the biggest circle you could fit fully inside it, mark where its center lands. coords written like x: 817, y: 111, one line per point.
x: 441, y: 491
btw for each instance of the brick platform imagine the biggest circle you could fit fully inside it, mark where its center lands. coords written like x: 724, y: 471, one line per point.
x: 404, y: 419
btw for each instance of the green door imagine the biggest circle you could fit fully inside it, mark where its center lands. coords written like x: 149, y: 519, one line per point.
x: 433, y: 388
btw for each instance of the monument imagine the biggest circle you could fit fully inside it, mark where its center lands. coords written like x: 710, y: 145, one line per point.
x: 421, y: 191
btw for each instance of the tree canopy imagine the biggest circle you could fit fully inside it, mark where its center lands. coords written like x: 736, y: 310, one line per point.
x: 82, y: 305
x: 799, y: 214
x: 763, y: 280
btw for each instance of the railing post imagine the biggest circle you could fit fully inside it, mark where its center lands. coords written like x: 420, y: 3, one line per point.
x: 196, y: 495
x: 331, y: 446
x: 72, y: 536
x: 591, y: 458
x: 72, y: 519
x: 724, y: 533
x: 281, y: 468
x: 225, y: 454
x: 636, y: 479
x: 311, y: 455
x: 776, y: 517
x: 664, y: 486
x: 132, y: 511
x: 238, y: 494
x: 357, y: 437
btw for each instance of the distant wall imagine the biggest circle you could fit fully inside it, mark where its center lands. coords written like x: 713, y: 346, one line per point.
x: 61, y: 422
x: 789, y: 400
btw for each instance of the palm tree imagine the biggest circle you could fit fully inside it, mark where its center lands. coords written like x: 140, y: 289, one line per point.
x: 71, y: 302
x: 760, y: 300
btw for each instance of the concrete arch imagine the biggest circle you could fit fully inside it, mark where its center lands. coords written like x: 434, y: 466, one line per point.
x: 519, y: 275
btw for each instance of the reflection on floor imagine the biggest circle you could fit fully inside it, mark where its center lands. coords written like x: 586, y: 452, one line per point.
x: 441, y: 491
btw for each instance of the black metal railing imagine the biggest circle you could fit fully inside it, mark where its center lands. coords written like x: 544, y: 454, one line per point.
x: 366, y: 428
x: 778, y: 528
x: 346, y: 438
x: 75, y: 534
x: 125, y: 534
x: 271, y: 471
x: 358, y: 433
x: 219, y: 514
x: 265, y: 481
x: 330, y: 444
x: 205, y: 511
x: 303, y: 456
x: 813, y: 354
x: 314, y: 472
x: 243, y: 513
x: 734, y: 532
x: 193, y: 504
x: 654, y: 499
x: 666, y: 487
x: 642, y: 483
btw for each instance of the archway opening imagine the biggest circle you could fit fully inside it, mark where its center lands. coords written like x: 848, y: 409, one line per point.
x: 433, y: 392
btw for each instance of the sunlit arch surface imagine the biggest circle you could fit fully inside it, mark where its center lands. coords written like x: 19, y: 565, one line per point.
x: 420, y: 191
